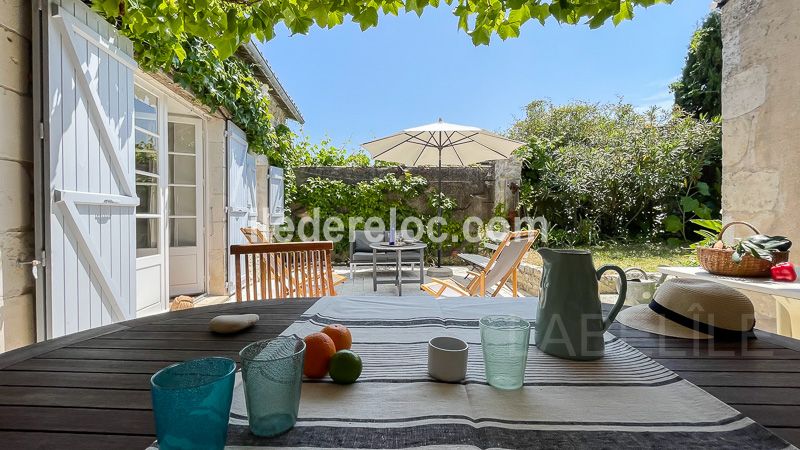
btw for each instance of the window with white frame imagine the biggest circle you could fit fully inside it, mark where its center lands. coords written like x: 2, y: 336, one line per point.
x: 148, y: 143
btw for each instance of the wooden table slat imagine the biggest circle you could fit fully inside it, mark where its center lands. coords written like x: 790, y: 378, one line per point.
x: 757, y: 395
x: 245, y: 336
x: 87, y: 420
x: 731, y: 365
x: 137, y: 354
x: 770, y: 354
x: 73, y: 379
x: 741, y: 379
x: 92, y: 366
x: 210, y: 344
x: 74, y: 397
x: 49, y: 441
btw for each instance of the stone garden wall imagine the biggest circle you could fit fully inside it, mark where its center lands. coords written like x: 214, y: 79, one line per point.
x: 476, y: 190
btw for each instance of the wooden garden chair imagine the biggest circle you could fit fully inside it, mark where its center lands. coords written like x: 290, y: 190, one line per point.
x: 283, y: 270
x: 255, y: 236
x: 503, y: 265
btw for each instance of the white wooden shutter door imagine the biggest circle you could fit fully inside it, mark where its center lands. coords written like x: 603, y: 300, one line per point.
x: 251, y: 189
x: 240, y: 200
x: 276, y: 196
x: 90, y: 231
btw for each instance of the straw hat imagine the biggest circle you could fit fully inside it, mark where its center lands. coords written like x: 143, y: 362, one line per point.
x: 693, y: 309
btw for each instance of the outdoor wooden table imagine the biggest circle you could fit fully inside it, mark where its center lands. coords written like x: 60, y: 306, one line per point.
x: 91, y: 390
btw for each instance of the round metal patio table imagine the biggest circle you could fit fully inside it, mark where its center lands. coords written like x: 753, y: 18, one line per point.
x: 398, y: 276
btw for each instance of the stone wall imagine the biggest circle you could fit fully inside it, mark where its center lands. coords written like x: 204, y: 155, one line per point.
x: 17, y: 301
x: 476, y: 189
x: 216, y: 219
x: 761, y: 132
x: 761, y: 116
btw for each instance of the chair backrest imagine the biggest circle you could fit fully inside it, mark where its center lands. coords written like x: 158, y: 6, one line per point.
x: 507, y: 257
x: 253, y: 235
x: 283, y: 270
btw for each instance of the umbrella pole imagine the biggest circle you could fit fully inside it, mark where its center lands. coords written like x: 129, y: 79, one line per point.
x: 439, y: 203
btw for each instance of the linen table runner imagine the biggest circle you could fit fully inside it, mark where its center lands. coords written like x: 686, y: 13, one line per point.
x: 623, y: 400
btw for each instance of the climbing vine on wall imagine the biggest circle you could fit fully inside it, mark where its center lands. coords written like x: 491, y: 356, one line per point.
x: 375, y: 198
x: 218, y: 82
x: 230, y: 84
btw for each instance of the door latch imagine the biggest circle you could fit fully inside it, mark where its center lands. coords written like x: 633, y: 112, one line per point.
x: 34, y: 267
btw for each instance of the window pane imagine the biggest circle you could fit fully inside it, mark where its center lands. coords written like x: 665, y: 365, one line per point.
x: 148, y: 198
x: 147, y: 124
x: 182, y: 201
x: 181, y: 169
x: 147, y: 162
x: 145, y: 103
x: 145, y: 142
x: 181, y: 138
x: 146, y: 235
x: 183, y: 232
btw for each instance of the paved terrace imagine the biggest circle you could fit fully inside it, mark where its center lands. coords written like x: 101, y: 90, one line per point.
x: 361, y: 284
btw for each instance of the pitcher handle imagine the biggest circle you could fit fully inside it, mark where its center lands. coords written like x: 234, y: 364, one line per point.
x: 623, y: 289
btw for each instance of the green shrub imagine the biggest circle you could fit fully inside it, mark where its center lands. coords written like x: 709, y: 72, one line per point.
x: 599, y: 171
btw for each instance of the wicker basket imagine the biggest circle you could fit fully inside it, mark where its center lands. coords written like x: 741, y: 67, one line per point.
x: 719, y: 261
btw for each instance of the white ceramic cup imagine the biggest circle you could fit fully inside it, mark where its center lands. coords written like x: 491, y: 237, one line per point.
x: 447, y: 359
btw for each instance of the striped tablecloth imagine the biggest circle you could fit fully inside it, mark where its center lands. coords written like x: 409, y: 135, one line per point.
x: 624, y: 400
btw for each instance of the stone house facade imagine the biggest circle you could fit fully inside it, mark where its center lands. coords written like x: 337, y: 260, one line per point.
x: 182, y: 121
x: 761, y: 113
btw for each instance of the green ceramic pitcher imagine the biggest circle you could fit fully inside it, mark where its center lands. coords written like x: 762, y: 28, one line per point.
x: 570, y: 321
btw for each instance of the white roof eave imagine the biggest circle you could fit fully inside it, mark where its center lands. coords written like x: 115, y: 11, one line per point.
x: 274, y: 83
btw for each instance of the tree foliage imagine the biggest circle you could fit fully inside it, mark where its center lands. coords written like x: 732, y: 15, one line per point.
x: 162, y: 26
x: 599, y: 171
x: 699, y: 89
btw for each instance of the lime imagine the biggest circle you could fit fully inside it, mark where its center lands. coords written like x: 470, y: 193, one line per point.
x: 345, y: 367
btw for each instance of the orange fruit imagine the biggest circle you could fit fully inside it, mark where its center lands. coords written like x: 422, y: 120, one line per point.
x: 341, y: 336
x: 319, y: 349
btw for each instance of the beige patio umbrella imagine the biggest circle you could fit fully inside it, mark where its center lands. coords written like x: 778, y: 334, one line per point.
x: 443, y: 144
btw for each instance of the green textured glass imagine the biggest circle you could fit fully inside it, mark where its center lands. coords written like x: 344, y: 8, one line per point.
x: 504, y: 340
x: 272, y: 371
x: 192, y: 403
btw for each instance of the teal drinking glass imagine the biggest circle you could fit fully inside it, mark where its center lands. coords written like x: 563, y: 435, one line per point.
x: 192, y: 402
x: 505, y: 340
x: 272, y: 371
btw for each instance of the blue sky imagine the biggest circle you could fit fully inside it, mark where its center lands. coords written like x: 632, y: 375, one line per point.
x: 353, y: 86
